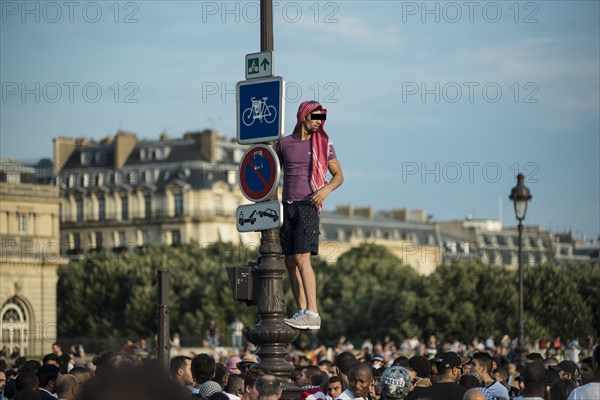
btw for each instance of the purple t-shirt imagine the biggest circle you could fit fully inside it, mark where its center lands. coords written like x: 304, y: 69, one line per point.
x: 296, y: 157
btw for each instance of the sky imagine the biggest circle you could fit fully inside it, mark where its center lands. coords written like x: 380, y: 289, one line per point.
x: 431, y: 105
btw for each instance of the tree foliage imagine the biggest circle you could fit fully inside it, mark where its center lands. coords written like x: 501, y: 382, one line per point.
x: 368, y: 292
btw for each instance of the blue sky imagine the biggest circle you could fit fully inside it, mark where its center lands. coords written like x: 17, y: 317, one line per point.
x: 432, y: 105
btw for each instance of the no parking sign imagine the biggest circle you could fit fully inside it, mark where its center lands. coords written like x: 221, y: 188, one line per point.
x: 259, y: 173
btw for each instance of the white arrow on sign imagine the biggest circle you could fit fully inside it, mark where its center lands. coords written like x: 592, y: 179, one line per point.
x: 259, y: 65
x: 259, y: 216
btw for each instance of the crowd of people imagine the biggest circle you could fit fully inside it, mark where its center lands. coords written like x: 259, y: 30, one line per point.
x: 414, y: 370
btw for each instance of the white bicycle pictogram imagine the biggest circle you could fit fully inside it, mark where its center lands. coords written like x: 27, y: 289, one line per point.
x: 259, y: 110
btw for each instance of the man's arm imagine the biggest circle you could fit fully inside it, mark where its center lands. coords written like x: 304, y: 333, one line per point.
x: 337, y: 178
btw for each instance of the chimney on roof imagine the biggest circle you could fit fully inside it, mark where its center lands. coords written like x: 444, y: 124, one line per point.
x: 400, y: 214
x: 206, y: 143
x: 418, y: 215
x: 124, y: 145
x: 364, y: 212
x: 63, y: 148
x: 346, y: 210
x: 164, y: 136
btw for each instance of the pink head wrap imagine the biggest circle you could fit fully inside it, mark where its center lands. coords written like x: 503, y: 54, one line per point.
x: 320, y: 145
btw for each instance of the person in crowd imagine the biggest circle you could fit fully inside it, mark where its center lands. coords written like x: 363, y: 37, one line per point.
x: 235, y: 387
x: 209, y: 388
x: 534, y: 381
x: 81, y: 373
x: 482, y: 364
x: 63, y: 358
x: 534, y: 357
x: 421, y: 366
x: 212, y: 334
x: 567, y: 369
x: 449, y: 369
x: 587, y: 371
x: 47, y: 376
x: 67, y: 387
x: 221, y: 375
x: 327, y: 366
x: 268, y: 387
x: 343, y: 363
x: 2, y: 384
x: 474, y: 394
x: 561, y: 389
x: 180, y: 368
x: 395, y: 383
x: 590, y: 390
x: 237, y: 333
x: 312, y: 379
x: 246, y: 362
x: 360, y: 378
x: 250, y: 378
x: 334, y: 387
x: 203, y: 369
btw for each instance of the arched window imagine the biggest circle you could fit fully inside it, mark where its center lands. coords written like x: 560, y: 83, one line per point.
x: 14, y: 325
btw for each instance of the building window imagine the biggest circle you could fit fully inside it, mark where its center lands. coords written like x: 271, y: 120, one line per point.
x: 148, y: 205
x: 100, y: 157
x: 79, y: 210
x: 133, y: 177
x: 86, y: 180
x: 178, y: 204
x: 22, y: 223
x: 101, y: 209
x: 99, y: 240
x: 145, y: 237
x: 175, y: 237
x: 71, y: 181
x: 86, y: 158
x: 76, y: 241
x: 148, y: 176
x: 122, y: 241
x: 13, y: 178
x: 124, y: 207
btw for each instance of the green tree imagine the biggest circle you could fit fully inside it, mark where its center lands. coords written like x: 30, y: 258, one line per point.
x: 116, y: 294
x: 463, y: 300
x: 367, y: 293
x: 554, y: 304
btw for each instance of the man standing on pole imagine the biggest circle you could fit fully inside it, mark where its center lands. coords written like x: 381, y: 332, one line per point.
x: 306, y: 155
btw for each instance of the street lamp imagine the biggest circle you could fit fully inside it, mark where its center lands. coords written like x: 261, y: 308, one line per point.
x: 520, y: 196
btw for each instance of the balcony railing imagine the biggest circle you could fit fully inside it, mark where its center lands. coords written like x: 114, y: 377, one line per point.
x: 137, y: 215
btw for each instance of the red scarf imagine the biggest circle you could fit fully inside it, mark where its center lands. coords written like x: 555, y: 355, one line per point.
x: 320, y: 143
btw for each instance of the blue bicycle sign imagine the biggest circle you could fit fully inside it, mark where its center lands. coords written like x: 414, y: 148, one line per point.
x: 259, y: 110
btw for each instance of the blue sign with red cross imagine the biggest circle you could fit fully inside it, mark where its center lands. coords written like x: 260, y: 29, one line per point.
x: 259, y: 173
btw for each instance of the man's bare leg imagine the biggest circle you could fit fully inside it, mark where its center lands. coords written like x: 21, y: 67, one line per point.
x: 296, y: 281
x: 308, y: 280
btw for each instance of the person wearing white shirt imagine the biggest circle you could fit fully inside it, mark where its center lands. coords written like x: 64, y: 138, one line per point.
x: 590, y: 390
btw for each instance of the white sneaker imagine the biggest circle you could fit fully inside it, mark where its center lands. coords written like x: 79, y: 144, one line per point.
x: 305, y: 321
x: 299, y: 314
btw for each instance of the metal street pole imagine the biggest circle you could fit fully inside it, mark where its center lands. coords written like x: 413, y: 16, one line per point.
x: 271, y: 335
x: 266, y: 25
x: 163, y: 319
x: 521, y: 343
